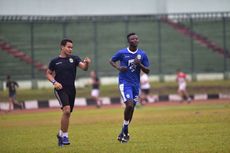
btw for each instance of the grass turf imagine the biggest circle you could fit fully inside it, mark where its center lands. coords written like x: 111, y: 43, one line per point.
x: 187, y: 128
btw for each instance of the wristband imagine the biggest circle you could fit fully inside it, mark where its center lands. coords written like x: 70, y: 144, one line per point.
x: 53, y: 81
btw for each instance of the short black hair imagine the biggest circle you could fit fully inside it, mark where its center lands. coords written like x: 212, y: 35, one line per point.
x: 64, y: 41
x: 130, y: 34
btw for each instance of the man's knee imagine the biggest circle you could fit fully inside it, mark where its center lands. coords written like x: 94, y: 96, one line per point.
x: 129, y: 104
x: 66, y: 111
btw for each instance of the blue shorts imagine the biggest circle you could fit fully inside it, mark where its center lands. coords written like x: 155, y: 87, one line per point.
x: 129, y: 92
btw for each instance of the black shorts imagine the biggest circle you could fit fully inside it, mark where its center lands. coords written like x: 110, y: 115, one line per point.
x: 66, y: 96
x: 12, y: 95
x: 145, y: 91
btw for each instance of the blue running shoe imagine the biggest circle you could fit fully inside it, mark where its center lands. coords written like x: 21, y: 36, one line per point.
x: 59, y: 140
x: 65, y: 141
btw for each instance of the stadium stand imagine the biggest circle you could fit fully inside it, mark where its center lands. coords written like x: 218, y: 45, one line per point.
x: 99, y: 38
x: 196, y: 36
x: 5, y: 46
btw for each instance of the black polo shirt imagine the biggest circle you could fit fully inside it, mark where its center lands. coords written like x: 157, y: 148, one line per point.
x: 65, y: 69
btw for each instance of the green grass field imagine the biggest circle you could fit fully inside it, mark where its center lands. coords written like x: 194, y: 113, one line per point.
x: 184, y: 128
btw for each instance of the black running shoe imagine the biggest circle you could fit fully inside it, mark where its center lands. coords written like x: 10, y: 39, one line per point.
x: 123, y: 138
x: 59, y: 140
x: 127, y: 136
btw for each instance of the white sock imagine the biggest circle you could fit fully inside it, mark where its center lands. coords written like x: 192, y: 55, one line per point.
x: 60, y: 133
x: 126, y: 122
x: 65, y: 134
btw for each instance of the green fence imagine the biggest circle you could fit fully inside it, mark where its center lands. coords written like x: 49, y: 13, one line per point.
x: 99, y: 37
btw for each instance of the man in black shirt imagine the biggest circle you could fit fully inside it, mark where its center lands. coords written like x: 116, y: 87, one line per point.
x: 12, y: 85
x: 62, y: 73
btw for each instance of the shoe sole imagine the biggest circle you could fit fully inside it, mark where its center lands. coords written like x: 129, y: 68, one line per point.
x: 66, y: 143
x: 122, y: 140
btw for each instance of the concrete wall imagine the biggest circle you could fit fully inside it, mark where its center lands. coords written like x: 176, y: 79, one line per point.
x: 109, y: 7
x: 111, y: 80
x: 179, y: 6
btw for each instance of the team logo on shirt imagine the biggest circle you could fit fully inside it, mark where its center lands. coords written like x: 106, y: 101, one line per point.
x: 58, y: 63
x: 139, y: 57
x: 127, y: 96
x: 71, y: 60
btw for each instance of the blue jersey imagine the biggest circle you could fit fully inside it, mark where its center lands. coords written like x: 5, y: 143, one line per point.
x: 126, y: 58
x: 65, y: 69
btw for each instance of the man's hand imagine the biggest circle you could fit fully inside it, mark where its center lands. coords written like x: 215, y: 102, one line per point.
x: 119, y: 68
x: 122, y: 68
x: 57, y: 86
x: 137, y: 61
x: 84, y: 65
x: 87, y: 60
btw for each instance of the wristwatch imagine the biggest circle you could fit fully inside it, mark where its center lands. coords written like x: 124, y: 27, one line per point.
x: 53, y: 81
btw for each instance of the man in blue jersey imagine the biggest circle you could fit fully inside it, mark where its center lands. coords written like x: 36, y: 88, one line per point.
x: 62, y: 73
x: 131, y: 62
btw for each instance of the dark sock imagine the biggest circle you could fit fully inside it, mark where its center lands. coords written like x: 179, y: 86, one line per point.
x: 125, y: 129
